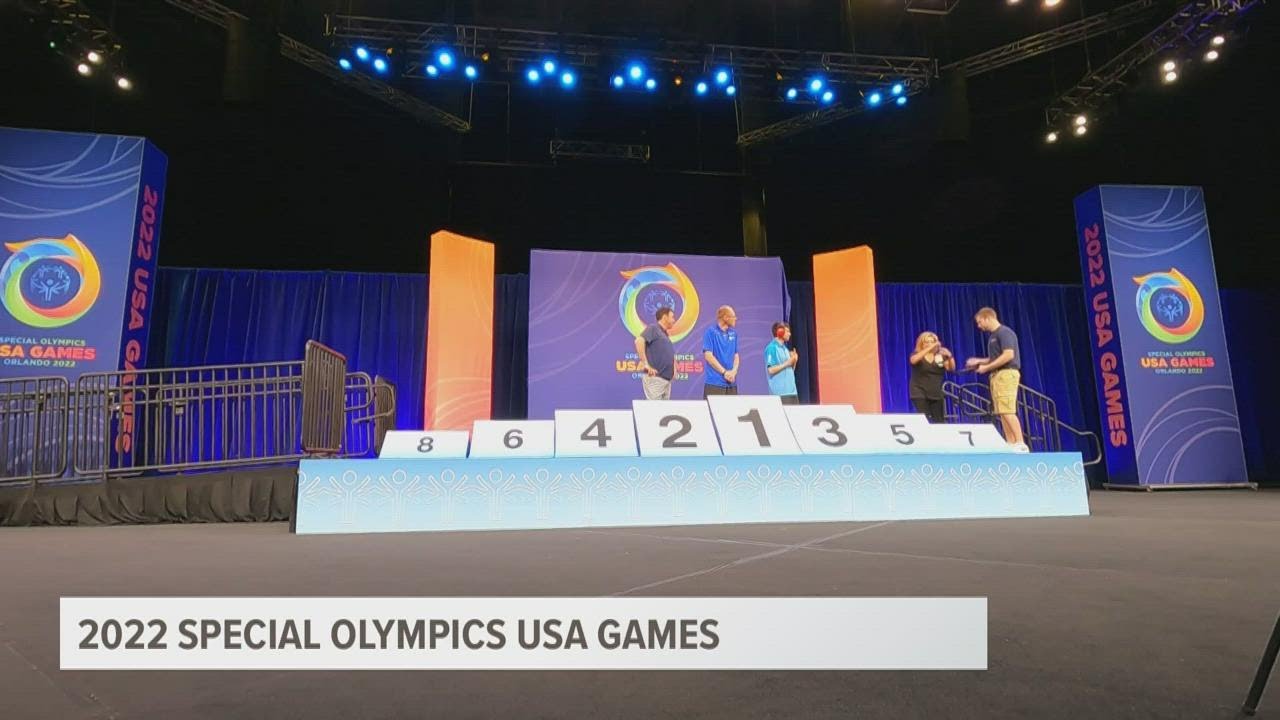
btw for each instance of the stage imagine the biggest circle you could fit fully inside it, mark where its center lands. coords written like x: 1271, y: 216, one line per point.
x: 1153, y: 606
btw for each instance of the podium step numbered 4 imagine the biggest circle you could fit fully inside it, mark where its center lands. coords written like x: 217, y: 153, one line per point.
x: 722, y: 425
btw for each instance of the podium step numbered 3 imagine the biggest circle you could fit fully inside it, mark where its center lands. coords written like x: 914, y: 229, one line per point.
x: 722, y: 425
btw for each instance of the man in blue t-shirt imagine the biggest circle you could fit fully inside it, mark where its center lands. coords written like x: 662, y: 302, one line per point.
x: 780, y: 364
x: 657, y: 356
x: 1003, y: 364
x: 720, y: 355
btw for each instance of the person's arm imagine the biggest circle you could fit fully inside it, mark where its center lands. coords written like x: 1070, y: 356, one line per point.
x: 949, y: 362
x: 732, y: 373
x: 1001, y: 360
x: 775, y: 369
x: 712, y: 361
x: 644, y: 359
x: 918, y: 355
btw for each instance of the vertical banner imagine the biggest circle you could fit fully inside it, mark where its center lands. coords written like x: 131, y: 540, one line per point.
x: 844, y: 298
x: 459, y: 368
x: 1160, y: 354
x: 79, y: 232
x: 586, y: 309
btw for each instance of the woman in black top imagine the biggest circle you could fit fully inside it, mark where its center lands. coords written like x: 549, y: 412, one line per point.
x: 928, y: 364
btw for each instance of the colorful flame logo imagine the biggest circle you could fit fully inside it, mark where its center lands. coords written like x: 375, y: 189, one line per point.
x: 48, y: 282
x: 663, y: 285
x: 1169, y: 306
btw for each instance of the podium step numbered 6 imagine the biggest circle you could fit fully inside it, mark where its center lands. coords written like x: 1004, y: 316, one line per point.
x: 728, y: 425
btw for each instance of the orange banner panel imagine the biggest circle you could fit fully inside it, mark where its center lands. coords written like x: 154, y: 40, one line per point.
x: 459, y: 333
x: 848, y: 333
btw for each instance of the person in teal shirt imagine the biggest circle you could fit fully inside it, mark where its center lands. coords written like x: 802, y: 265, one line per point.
x: 780, y: 364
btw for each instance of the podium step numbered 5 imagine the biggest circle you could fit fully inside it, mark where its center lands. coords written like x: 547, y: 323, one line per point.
x: 722, y: 425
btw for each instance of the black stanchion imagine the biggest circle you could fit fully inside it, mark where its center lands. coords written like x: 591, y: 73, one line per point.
x: 1264, y: 671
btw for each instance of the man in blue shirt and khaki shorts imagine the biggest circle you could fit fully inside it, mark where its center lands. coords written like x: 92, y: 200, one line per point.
x: 1004, y: 364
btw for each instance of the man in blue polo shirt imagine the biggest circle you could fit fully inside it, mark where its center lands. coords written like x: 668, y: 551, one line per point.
x: 720, y: 355
x: 780, y: 365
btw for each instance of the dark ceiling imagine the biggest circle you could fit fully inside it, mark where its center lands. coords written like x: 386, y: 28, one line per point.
x: 314, y: 175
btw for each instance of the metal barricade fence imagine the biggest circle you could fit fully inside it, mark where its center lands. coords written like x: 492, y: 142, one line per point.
x: 33, y: 429
x: 324, y: 388
x: 384, y: 404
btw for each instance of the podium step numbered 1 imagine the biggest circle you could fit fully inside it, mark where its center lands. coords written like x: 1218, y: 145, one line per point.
x: 728, y: 425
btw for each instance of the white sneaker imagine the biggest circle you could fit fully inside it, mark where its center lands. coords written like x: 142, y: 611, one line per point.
x: 1022, y: 448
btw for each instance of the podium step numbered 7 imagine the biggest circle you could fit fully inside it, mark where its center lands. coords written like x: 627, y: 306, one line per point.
x: 740, y: 425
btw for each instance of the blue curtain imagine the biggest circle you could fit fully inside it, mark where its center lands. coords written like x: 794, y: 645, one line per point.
x: 205, y: 317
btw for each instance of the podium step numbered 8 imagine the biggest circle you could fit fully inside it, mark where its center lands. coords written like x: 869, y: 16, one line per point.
x: 722, y: 425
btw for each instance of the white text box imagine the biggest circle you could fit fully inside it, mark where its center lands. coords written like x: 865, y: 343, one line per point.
x: 674, y: 427
x: 425, y: 444
x: 595, y: 433
x: 821, y: 429
x: 752, y: 425
x: 513, y: 439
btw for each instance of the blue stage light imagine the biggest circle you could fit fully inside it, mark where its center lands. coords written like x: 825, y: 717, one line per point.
x: 902, y: 100
x: 548, y: 66
x: 533, y: 76
x: 731, y: 91
x: 815, y: 85
x: 650, y: 84
x: 445, y: 59
x: 636, y: 71
x: 380, y: 64
x: 722, y: 77
x: 618, y: 81
x: 567, y: 79
x: 828, y: 97
x: 792, y: 93
x: 874, y: 98
x: 897, y: 89
x: 432, y: 70
x: 362, y: 53
x: 700, y: 88
x: 344, y: 63
x: 471, y: 72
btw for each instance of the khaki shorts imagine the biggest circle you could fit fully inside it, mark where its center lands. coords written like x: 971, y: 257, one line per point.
x: 1004, y: 391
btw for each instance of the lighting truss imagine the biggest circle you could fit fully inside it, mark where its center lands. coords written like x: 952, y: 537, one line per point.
x: 73, y: 18
x: 309, y: 57
x: 797, y: 124
x: 1059, y: 37
x: 588, y: 150
x: 932, y: 7
x: 1190, y: 24
x: 516, y: 48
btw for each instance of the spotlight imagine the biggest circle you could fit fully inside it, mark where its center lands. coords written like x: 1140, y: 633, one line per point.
x: 1081, y: 129
x: 124, y: 83
x: 902, y: 100
x: 533, y: 76
x: 636, y: 71
x: 815, y: 85
x: 700, y: 88
x: 380, y: 64
x: 432, y: 70
x: 1013, y: 2
x: 897, y: 89
x: 567, y: 78
x: 1052, y: 137
x: 678, y: 81
x: 1170, y: 76
x: 792, y: 93
x: 94, y: 57
x: 1081, y: 120
x: 722, y: 77
x: 53, y: 45
x: 650, y: 84
x: 1218, y: 40
x: 1211, y: 56
x: 362, y: 53
x: 874, y: 98
x: 444, y: 59
x: 471, y: 72
x: 548, y: 66
x: 344, y: 63
x: 1169, y: 66
x: 484, y: 56
x: 731, y: 91
x: 618, y: 81
x: 1052, y: 3
x: 84, y: 69
x: 828, y: 97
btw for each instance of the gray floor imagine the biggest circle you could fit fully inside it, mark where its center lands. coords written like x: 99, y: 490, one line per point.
x: 1157, y: 606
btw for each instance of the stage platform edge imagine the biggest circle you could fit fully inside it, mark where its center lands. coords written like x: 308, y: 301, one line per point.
x: 368, y: 496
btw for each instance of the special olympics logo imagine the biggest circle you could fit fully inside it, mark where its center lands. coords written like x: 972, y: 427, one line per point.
x: 651, y: 287
x: 49, y: 283
x: 1169, y: 306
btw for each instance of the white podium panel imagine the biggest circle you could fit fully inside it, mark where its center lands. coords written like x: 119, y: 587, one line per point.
x: 595, y: 433
x: 424, y: 444
x: 821, y: 429
x: 965, y: 437
x: 752, y: 425
x: 513, y: 439
x: 674, y: 427
x: 890, y: 433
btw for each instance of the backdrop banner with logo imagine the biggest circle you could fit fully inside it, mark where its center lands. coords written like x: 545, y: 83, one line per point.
x: 1165, y: 394
x: 79, y: 231
x: 585, y: 310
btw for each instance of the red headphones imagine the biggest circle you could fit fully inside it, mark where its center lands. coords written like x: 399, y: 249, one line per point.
x: 781, y: 332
